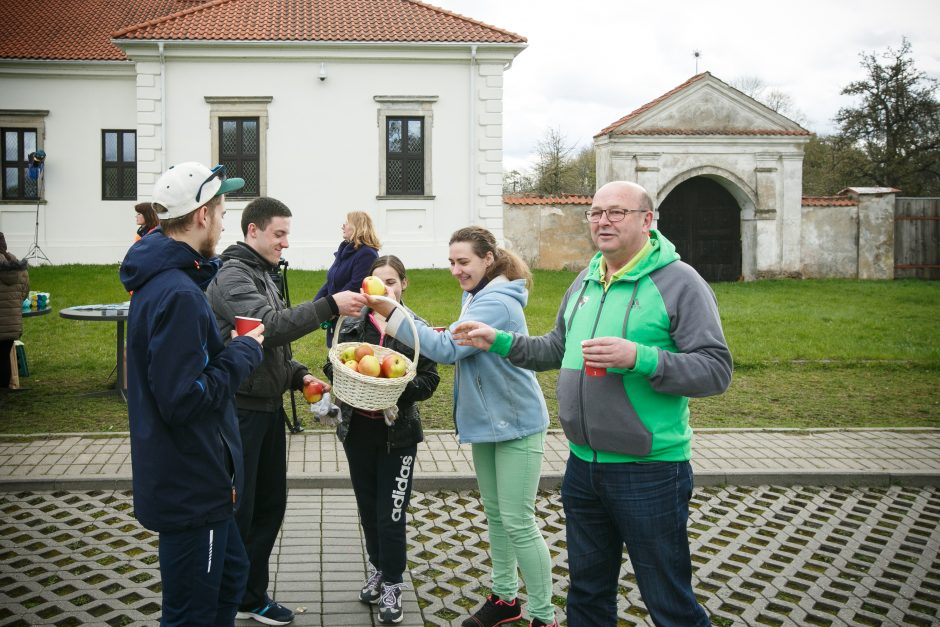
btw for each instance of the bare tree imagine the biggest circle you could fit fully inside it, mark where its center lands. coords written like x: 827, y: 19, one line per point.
x: 772, y: 98
x: 517, y: 182
x: 551, y: 171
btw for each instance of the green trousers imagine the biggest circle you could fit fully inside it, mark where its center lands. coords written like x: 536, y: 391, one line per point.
x: 508, y: 474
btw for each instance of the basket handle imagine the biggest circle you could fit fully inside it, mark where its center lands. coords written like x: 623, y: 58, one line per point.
x: 414, y: 329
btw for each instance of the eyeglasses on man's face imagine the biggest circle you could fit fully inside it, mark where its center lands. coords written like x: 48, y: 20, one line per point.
x: 613, y: 215
x: 217, y: 172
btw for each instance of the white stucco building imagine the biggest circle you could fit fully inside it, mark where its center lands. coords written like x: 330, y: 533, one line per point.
x: 393, y: 107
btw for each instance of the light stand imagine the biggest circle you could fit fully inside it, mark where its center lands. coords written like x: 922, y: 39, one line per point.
x: 37, y: 161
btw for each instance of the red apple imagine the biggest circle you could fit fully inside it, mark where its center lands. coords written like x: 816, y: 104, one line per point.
x: 313, y: 391
x: 373, y: 286
x: 370, y: 366
x: 393, y: 366
x: 353, y: 365
x: 362, y: 350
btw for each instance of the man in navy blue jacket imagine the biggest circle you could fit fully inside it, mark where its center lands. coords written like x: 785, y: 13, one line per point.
x: 186, y: 451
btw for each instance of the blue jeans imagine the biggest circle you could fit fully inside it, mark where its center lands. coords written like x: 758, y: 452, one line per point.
x: 203, y: 572
x: 644, y: 506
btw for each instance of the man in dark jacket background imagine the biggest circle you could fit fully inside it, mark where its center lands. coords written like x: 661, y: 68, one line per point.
x: 185, y: 448
x: 244, y: 287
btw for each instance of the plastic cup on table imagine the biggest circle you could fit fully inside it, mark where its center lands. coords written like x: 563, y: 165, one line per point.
x: 595, y: 372
x: 439, y: 329
x: 244, y: 324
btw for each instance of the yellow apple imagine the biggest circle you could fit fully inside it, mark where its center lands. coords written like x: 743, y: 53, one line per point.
x: 373, y: 286
x: 370, y: 366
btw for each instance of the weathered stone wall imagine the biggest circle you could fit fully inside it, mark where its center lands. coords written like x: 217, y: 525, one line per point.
x: 829, y: 246
x: 549, y: 237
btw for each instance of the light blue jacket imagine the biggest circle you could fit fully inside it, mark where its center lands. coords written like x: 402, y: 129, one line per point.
x: 494, y: 401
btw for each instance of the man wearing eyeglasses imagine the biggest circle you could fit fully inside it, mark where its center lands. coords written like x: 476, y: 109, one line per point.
x: 636, y: 335
x: 186, y: 452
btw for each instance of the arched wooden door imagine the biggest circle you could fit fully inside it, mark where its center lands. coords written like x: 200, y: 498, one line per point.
x: 703, y: 220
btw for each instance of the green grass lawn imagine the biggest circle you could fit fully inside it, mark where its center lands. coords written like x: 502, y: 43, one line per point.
x: 828, y: 353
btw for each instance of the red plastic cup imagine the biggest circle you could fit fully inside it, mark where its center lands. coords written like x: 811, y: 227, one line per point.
x: 595, y: 372
x: 439, y: 329
x: 243, y: 324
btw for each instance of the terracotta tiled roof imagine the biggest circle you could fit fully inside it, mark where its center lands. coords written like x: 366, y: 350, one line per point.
x: 548, y: 200
x: 828, y: 201
x: 83, y: 29
x: 73, y: 29
x: 319, y: 20
x: 610, y: 129
x: 709, y: 131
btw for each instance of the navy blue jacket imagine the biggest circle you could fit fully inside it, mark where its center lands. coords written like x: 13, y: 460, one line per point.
x: 349, y: 268
x: 186, y: 452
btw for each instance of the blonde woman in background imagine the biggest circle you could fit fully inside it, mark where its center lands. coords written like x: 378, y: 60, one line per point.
x: 354, y: 257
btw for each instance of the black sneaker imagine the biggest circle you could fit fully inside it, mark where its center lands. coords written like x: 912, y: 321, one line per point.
x: 390, y: 604
x: 537, y: 622
x: 495, y: 612
x: 271, y: 613
x: 372, y: 588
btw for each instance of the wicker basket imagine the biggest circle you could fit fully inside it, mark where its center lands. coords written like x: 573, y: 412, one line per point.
x: 365, y: 392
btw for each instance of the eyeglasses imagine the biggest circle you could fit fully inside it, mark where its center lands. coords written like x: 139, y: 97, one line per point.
x: 613, y: 215
x: 217, y: 172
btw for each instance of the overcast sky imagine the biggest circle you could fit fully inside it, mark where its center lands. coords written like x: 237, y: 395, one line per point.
x: 590, y: 62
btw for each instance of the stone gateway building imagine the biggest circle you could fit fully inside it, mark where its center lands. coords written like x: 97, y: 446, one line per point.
x: 726, y: 175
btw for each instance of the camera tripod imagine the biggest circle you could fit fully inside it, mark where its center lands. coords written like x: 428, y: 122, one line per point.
x: 35, y: 252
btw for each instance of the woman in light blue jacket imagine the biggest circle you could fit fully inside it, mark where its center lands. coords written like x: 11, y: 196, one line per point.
x: 500, y: 410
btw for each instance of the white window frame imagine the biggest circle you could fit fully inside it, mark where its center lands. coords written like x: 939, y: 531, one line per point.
x: 26, y: 119
x: 242, y: 107
x: 405, y: 106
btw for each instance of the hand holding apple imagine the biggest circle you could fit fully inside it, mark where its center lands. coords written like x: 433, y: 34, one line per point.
x: 373, y: 286
x: 313, y: 391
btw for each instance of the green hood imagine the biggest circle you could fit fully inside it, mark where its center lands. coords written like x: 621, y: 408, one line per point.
x: 662, y: 254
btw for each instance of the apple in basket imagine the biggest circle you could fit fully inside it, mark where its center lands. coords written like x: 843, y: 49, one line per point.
x: 348, y: 354
x: 393, y: 366
x: 362, y: 350
x: 352, y: 364
x: 370, y: 366
x: 313, y: 391
x: 373, y: 286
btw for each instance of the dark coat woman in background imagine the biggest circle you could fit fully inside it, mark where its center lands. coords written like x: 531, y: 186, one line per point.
x: 14, y: 288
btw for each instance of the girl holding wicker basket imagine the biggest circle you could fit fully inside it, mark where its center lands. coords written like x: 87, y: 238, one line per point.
x: 499, y: 410
x: 381, y: 451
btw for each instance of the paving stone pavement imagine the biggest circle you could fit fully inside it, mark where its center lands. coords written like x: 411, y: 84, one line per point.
x: 720, y: 457
x: 787, y: 528
x: 763, y: 555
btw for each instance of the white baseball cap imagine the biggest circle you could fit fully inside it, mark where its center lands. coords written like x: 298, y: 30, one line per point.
x: 187, y: 186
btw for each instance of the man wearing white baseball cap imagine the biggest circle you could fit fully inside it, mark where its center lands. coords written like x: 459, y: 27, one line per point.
x: 186, y: 452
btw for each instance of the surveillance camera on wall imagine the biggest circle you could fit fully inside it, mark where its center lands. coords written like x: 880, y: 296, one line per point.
x: 322, y: 72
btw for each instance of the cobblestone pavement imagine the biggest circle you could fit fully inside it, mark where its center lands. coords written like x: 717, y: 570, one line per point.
x: 763, y: 555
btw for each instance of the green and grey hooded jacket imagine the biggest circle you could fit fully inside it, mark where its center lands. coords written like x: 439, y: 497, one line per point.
x: 639, y: 414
